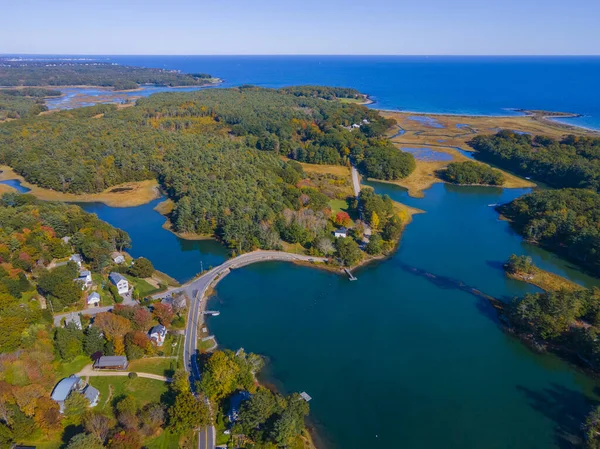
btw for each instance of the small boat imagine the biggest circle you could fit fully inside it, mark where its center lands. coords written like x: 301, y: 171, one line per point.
x: 492, y: 205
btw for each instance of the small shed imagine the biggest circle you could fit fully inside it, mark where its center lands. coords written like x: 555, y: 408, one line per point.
x: 112, y: 362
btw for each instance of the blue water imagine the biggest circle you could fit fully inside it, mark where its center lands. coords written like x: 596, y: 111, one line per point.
x: 443, y: 84
x: 16, y: 184
x: 428, y: 154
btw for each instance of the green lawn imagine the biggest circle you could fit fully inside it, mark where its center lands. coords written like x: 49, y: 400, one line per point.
x: 154, y: 365
x: 165, y: 440
x: 340, y: 206
x: 143, y: 286
x: 66, y: 369
x: 142, y: 390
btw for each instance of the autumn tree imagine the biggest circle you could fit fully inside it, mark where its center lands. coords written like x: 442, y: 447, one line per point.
x: 96, y: 424
x: 163, y: 313
x: 342, y: 219
x: 114, y: 328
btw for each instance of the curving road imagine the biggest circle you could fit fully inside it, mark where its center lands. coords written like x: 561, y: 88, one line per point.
x: 196, y: 290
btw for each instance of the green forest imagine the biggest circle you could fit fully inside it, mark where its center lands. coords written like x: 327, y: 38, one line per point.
x: 217, y: 153
x: 565, y: 221
x: 119, y: 77
x: 469, y: 172
x: 572, y: 162
x: 25, y: 102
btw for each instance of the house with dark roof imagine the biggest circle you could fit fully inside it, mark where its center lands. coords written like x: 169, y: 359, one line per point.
x: 158, y: 334
x: 112, y: 362
x: 341, y: 233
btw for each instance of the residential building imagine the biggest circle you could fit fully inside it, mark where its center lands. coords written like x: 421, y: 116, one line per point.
x: 93, y: 299
x: 85, y: 279
x: 341, y: 233
x: 77, y: 259
x: 74, y: 384
x: 118, y: 257
x: 112, y: 362
x: 73, y: 318
x: 178, y: 303
x: 120, y: 282
x: 158, y: 334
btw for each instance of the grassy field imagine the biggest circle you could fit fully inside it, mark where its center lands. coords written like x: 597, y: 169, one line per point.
x: 166, y: 440
x: 143, y: 390
x: 122, y: 195
x: 163, y: 366
x: 546, y: 280
x: 64, y: 369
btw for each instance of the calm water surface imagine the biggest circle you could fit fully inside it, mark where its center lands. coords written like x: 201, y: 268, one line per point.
x: 408, y: 356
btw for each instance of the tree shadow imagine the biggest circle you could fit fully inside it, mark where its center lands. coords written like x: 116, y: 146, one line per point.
x: 566, y: 408
x: 70, y: 431
x: 487, y: 305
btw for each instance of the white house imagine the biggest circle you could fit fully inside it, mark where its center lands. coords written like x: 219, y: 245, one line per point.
x: 85, y: 278
x: 77, y: 259
x: 120, y: 282
x: 118, y: 257
x: 158, y: 334
x: 341, y: 233
x: 93, y: 299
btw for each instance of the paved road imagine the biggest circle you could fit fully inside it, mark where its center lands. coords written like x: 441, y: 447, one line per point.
x: 89, y: 312
x: 88, y: 370
x: 196, y: 290
x: 355, y: 181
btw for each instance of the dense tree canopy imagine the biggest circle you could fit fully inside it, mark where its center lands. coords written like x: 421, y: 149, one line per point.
x: 26, y: 102
x: 571, y: 162
x: 566, y: 221
x: 72, y: 73
x: 469, y: 172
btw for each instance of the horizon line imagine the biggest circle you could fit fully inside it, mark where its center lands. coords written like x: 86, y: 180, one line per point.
x: 307, y: 54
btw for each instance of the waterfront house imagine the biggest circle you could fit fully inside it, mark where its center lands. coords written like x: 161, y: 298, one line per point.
x: 117, y: 257
x: 341, y: 233
x: 77, y: 259
x: 158, y: 334
x: 85, y: 279
x: 73, y: 318
x: 120, y: 282
x: 93, y: 299
x: 112, y: 362
x: 178, y: 303
x: 234, y: 405
x: 74, y: 385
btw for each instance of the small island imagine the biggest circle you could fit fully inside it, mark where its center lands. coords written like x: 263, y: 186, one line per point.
x: 472, y: 173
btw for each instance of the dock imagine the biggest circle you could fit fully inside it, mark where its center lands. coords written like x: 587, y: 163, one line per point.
x: 350, y: 275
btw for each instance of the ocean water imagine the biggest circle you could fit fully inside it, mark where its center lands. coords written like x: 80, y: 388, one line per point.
x: 441, y: 84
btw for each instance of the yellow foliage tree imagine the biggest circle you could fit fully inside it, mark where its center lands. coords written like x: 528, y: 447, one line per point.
x: 375, y: 221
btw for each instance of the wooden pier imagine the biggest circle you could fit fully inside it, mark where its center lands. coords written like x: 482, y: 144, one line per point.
x: 350, y: 275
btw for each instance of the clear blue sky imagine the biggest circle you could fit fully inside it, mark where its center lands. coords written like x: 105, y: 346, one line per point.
x: 300, y: 27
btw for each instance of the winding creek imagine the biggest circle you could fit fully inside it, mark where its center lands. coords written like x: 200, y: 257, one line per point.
x: 407, y: 356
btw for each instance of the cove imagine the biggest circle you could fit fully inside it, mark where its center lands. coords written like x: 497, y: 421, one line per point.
x: 179, y: 258
x: 408, y: 356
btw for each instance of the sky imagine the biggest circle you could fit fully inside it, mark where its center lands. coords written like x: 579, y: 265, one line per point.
x: 253, y: 27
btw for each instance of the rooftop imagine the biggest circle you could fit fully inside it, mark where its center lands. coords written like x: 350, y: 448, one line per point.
x: 111, y: 360
x: 116, y: 277
x: 63, y: 388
